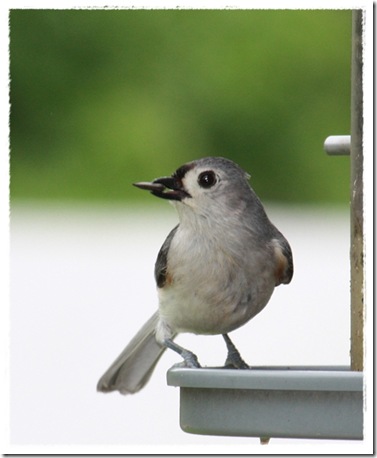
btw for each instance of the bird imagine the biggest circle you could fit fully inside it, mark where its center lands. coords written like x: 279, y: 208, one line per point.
x: 216, y: 270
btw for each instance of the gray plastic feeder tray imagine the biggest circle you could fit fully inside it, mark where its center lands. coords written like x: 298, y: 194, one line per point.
x: 295, y: 402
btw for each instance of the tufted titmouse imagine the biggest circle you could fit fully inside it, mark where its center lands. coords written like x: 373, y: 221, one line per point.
x: 215, y: 271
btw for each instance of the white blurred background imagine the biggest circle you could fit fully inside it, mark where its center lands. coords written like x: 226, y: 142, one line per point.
x: 81, y: 286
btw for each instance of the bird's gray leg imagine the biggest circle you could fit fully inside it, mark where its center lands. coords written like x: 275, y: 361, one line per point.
x: 190, y: 359
x: 234, y: 358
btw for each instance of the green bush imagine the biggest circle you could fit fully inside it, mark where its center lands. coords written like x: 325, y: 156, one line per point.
x: 102, y: 98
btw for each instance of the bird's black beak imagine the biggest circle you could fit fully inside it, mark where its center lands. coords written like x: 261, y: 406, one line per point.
x: 166, y: 187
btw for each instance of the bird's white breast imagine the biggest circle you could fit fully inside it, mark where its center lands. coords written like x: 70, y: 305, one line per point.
x: 210, y: 289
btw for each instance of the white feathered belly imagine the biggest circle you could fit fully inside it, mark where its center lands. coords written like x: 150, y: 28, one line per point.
x: 205, y: 301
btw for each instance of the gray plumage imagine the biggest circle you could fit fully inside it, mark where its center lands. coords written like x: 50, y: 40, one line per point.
x: 160, y: 268
x: 215, y: 271
x: 134, y: 366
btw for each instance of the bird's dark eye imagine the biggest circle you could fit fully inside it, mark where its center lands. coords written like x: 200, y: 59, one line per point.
x: 207, y: 179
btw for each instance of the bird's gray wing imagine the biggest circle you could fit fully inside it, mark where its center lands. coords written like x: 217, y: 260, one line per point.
x: 284, y: 260
x: 160, y: 268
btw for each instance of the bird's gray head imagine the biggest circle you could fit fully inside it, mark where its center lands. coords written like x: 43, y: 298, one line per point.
x: 212, y: 185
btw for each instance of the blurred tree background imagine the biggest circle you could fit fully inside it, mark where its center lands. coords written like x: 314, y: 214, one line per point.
x: 103, y: 98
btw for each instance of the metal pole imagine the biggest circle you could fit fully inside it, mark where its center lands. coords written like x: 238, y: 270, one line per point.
x: 357, y: 242
x: 338, y: 145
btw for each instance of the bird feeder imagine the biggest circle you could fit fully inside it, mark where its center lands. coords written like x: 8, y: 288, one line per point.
x: 294, y: 402
x: 299, y: 402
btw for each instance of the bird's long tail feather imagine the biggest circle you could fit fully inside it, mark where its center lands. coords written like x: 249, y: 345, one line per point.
x: 134, y: 366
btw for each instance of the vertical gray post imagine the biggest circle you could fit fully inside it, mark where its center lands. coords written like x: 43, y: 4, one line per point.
x: 357, y: 247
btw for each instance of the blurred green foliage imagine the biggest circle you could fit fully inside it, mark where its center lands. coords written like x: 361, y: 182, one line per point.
x: 102, y: 98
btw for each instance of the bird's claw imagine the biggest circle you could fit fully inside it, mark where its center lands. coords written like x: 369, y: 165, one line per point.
x: 190, y: 359
x: 235, y: 363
